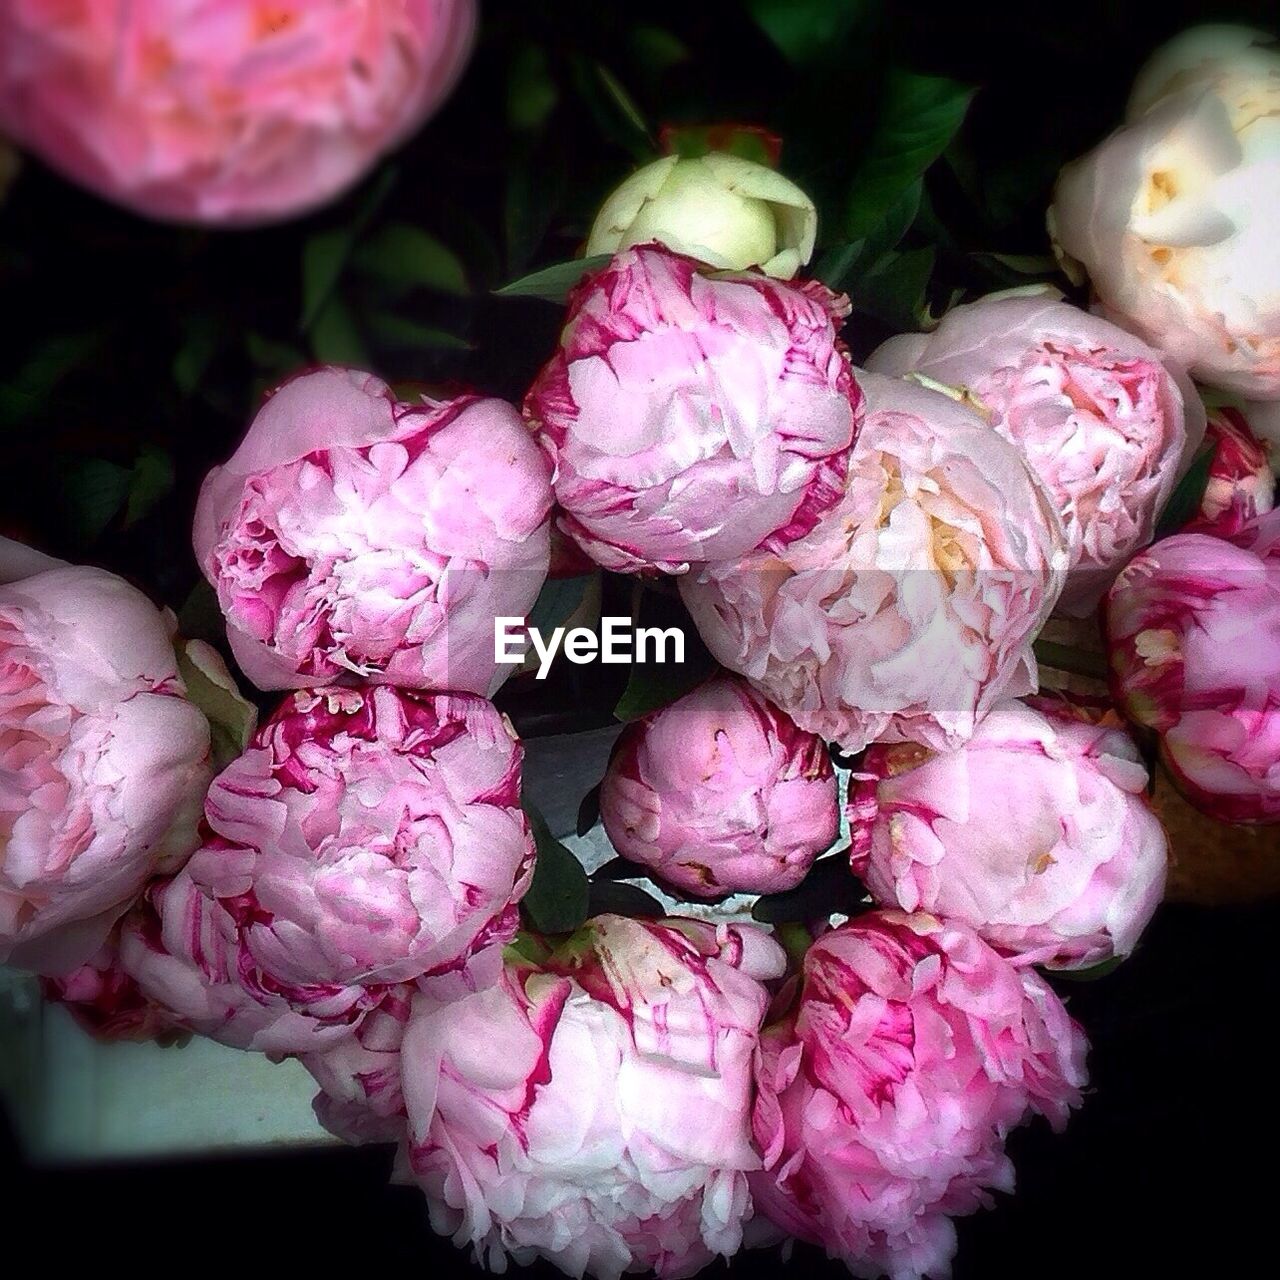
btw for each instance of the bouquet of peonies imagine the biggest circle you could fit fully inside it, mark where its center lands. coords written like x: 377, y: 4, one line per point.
x: 868, y: 825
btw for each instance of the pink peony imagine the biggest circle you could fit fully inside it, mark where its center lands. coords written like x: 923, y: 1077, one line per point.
x: 1193, y: 626
x: 355, y: 537
x: 911, y: 608
x: 593, y: 1108
x: 364, y: 840
x: 1036, y: 832
x: 106, y: 1001
x: 720, y: 792
x: 886, y: 1092
x: 224, y: 111
x: 694, y: 414
x: 1103, y: 422
x: 360, y: 1098
x: 103, y: 761
x: 1241, y: 484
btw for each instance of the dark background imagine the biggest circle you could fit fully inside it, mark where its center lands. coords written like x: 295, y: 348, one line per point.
x: 134, y: 355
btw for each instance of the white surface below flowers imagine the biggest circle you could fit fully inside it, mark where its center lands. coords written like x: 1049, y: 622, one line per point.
x: 72, y: 1099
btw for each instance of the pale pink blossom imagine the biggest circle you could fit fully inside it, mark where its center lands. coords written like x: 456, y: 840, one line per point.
x: 1036, y: 832
x: 911, y: 607
x: 356, y: 537
x: 103, y: 760
x: 366, y: 839
x: 593, y: 1108
x: 1105, y: 422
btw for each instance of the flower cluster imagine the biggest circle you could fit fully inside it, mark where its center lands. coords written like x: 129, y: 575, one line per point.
x: 870, y: 556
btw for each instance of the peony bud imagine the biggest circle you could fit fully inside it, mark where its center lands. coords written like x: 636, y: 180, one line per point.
x: 593, y: 1109
x: 1241, y: 484
x: 1036, y: 832
x: 885, y: 1094
x: 1172, y: 216
x: 1193, y: 626
x: 103, y: 761
x: 363, y: 841
x: 723, y: 210
x: 693, y: 415
x: 230, y: 113
x: 355, y: 537
x: 910, y: 609
x: 720, y: 792
x: 1103, y: 422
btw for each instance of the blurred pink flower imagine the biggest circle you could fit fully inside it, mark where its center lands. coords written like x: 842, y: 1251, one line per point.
x: 694, y: 414
x: 1241, y: 484
x: 911, y: 607
x: 593, y: 1108
x: 721, y: 792
x: 885, y: 1094
x: 364, y: 840
x: 103, y: 761
x: 1102, y: 420
x: 224, y: 111
x: 1193, y: 626
x: 355, y: 537
x: 1036, y: 832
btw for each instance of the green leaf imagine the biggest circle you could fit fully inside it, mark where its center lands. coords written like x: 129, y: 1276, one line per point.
x: 323, y: 258
x: 532, y: 93
x: 200, y: 617
x: 656, y: 50
x: 335, y: 338
x: 830, y: 887
x: 536, y: 183
x: 1188, y: 496
x: 894, y: 289
x: 325, y: 254
x: 614, y: 111
x: 654, y: 685
x: 150, y: 481
x: 807, y: 31
x: 96, y: 490
x: 193, y: 357
x: 1065, y: 657
x: 408, y: 257
x: 558, y: 898
x: 1095, y: 971
x: 589, y: 810
x: 838, y: 262
x: 624, y: 102
x: 558, y: 601
x: 554, y: 283
x: 919, y: 116
x: 403, y: 332
x: 30, y: 387
x: 609, y: 897
x: 232, y: 718
x: 267, y: 353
